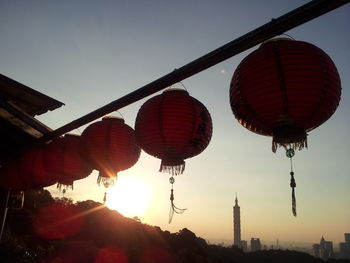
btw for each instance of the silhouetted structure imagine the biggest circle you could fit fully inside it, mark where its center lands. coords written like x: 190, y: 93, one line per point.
x: 347, y: 239
x: 344, y: 247
x: 317, y: 250
x: 324, y: 250
x: 237, y: 227
x: 255, y: 244
x: 236, y: 224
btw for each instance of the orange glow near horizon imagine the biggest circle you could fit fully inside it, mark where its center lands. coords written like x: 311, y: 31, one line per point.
x: 130, y: 196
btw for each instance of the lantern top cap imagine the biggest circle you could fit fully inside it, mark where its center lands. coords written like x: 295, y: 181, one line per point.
x: 276, y: 39
x: 117, y: 118
x: 71, y: 135
x: 175, y: 90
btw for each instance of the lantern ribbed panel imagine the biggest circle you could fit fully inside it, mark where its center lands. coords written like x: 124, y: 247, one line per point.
x: 27, y: 172
x: 173, y: 126
x: 11, y: 178
x: 285, y: 83
x: 110, y: 146
x: 32, y: 165
x: 63, y: 159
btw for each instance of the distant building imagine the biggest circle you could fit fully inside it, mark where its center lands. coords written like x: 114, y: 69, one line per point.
x: 324, y: 250
x: 317, y: 250
x: 344, y: 247
x: 328, y: 250
x: 255, y: 244
x: 343, y: 250
x: 347, y: 239
x: 237, y: 228
x: 244, y: 245
x: 236, y: 224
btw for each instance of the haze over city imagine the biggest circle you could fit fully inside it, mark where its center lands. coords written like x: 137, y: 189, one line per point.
x: 89, y: 53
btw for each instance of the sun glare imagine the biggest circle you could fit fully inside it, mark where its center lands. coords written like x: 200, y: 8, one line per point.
x: 130, y: 196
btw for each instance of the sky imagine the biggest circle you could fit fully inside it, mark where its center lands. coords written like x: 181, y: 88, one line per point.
x: 88, y: 53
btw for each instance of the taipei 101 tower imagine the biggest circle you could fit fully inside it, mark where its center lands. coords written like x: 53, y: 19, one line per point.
x: 237, y: 224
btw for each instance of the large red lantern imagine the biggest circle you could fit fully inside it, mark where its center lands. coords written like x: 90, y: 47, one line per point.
x: 63, y: 159
x: 173, y: 126
x: 110, y: 146
x: 285, y: 89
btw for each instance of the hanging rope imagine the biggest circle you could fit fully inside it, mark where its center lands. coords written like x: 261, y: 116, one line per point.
x: 105, y: 198
x: 290, y: 153
x: 173, y: 208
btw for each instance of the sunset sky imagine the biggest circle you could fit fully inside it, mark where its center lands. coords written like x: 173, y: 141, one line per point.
x: 88, y: 53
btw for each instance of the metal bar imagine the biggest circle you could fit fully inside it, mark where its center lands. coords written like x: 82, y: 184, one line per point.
x: 5, y: 214
x: 276, y: 27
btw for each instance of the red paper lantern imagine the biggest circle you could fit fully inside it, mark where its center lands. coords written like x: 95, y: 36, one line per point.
x: 110, y: 146
x: 173, y: 126
x: 32, y: 165
x: 12, y: 179
x: 63, y: 159
x: 27, y: 171
x: 284, y: 89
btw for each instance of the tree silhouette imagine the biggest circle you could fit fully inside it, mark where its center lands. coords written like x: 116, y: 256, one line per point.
x: 105, y: 235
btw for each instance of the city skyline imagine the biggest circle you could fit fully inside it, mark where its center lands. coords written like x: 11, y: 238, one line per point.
x: 323, y: 250
x: 88, y: 53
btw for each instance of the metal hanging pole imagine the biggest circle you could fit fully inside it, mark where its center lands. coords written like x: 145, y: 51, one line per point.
x: 275, y: 27
x: 5, y: 214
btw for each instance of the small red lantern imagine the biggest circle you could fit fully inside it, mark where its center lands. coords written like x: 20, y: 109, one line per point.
x: 285, y: 89
x: 173, y: 126
x: 109, y: 146
x: 11, y: 178
x: 63, y: 159
x: 32, y: 166
x: 27, y: 171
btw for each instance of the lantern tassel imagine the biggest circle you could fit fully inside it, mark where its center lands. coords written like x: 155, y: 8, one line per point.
x: 289, y: 137
x: 106, y: 181
x: 172, y: 166
x: 295, y: 146
x: 290, y: 153
x: 173, y: 208
x: 293, y: 185
x: 64, y: 186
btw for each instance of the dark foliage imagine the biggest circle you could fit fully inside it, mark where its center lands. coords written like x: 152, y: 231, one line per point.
x: 95, y: 234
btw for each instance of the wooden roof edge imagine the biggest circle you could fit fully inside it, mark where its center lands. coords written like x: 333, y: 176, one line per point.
x: 25, y: 118
x: 51, y: 103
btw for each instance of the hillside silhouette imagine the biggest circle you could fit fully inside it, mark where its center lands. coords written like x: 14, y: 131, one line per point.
x: 51, y: 230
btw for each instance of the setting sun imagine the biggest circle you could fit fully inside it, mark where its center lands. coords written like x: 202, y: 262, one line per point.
x: 130, y: 196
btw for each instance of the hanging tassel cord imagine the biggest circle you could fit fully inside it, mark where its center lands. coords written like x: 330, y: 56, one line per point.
x: 293, y: 185
x: 105, y: 197
x: 63, y: 187
x: 173, y: 208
